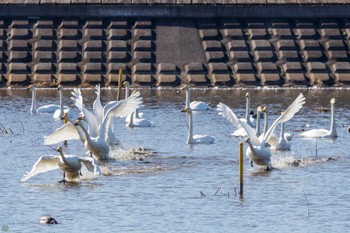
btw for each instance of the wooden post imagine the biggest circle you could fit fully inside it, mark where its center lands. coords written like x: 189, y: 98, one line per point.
x: 119, y: 84
x: 241, y: 169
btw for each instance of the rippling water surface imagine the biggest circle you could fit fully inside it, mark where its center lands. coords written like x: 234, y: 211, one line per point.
x: 160, y: 191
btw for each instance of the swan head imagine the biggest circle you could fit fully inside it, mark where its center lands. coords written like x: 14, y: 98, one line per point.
x: 264, y: 109
x: 65, y: 116
x: 59, y: 87
x: 126, y: 84
x: 247, y: 94
x: 31, y: 87
x: 59, y: 149
x: 259, y: 109
x: 333, y: 101
x: 185, y: 87
x: 188, y: 110
x: 77, y: 122
x: 247, y: 140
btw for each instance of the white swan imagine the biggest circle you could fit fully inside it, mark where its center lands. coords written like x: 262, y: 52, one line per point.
x: 138, y: 122
x: 283, y: 143
x: 49, y: 108
x: 194, y: 105
x: 137, y: 114
x: 96, y: 140
x: 196, y: 139
x: 58, y: 114
x: 323, y: 133
x: 95, y: 119
x: 256, y: 152
x: 273, y: 139
x: 70, y: 164
x: 136, y: 118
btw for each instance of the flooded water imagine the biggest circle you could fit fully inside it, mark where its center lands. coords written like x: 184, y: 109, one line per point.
x: 175, y: 187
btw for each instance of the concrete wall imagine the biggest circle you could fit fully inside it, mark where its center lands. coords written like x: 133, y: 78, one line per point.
x: 157, y: 45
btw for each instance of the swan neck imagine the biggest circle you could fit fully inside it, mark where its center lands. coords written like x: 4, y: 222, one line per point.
x: 251, y: 147
x: 63, y: 157
x: 33, y: 107
x: 332, y: 129
x: 247, y: 110
x: 137, y: 113
x: 282, y: 131
x: 61, y: 100
x: 87, y: 135
x: 131, y: 122
x: 188, y: 100
x: 127, y: 91
x: 190, y: 129
x: 257, y: 129
x: 103, y: 127
x: 265, y: 123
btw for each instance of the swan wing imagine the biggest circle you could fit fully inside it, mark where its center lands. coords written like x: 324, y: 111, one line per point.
x: 67, y: 131
x: 250, y: 133
x: 44, y: 164
x: 77, y: 97
x: 97, y: 106
x: 286, y: 116
x: 50, y: 108
x: 227, y: 113
x: 89, y: 116
x: 91, y: 165
x: 124, y: 107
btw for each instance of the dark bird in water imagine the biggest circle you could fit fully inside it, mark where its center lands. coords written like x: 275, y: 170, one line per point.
x: 47, y: 219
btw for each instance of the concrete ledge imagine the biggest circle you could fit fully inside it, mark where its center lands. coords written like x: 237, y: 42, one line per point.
x: 182, y: 11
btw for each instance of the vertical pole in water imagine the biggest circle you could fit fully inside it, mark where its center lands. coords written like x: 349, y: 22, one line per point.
x: 241, y: 169
x: 119, y: 84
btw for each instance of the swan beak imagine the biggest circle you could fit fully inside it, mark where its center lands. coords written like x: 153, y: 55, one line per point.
x: 29, y: 87
x: 184, y: 87
x: 247, y: 94
x: 59, y: 87
x: 265, y: 109
x: 77, y: 122
x: 185, y: 110
x: 64, y: 117
x: 125, y: 83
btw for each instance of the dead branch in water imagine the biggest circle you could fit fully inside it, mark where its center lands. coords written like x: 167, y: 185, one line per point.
x: 5, y: 130
x: 308, y: 206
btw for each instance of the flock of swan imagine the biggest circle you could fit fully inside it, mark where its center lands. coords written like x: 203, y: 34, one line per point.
x: 260, y: 145
x: 95, y: 130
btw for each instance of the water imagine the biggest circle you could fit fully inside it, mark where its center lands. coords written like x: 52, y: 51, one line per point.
x: 162, y: 191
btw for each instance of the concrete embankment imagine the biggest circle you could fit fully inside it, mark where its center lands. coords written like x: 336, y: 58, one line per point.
x: 169, y: 43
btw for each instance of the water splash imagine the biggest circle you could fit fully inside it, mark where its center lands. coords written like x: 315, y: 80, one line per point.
x: 288, y: 160
x: 121, y: 154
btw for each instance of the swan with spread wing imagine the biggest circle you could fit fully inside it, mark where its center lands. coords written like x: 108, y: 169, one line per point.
x: 70, y: 165
x: 256, y: 151
x: 95, y: 138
